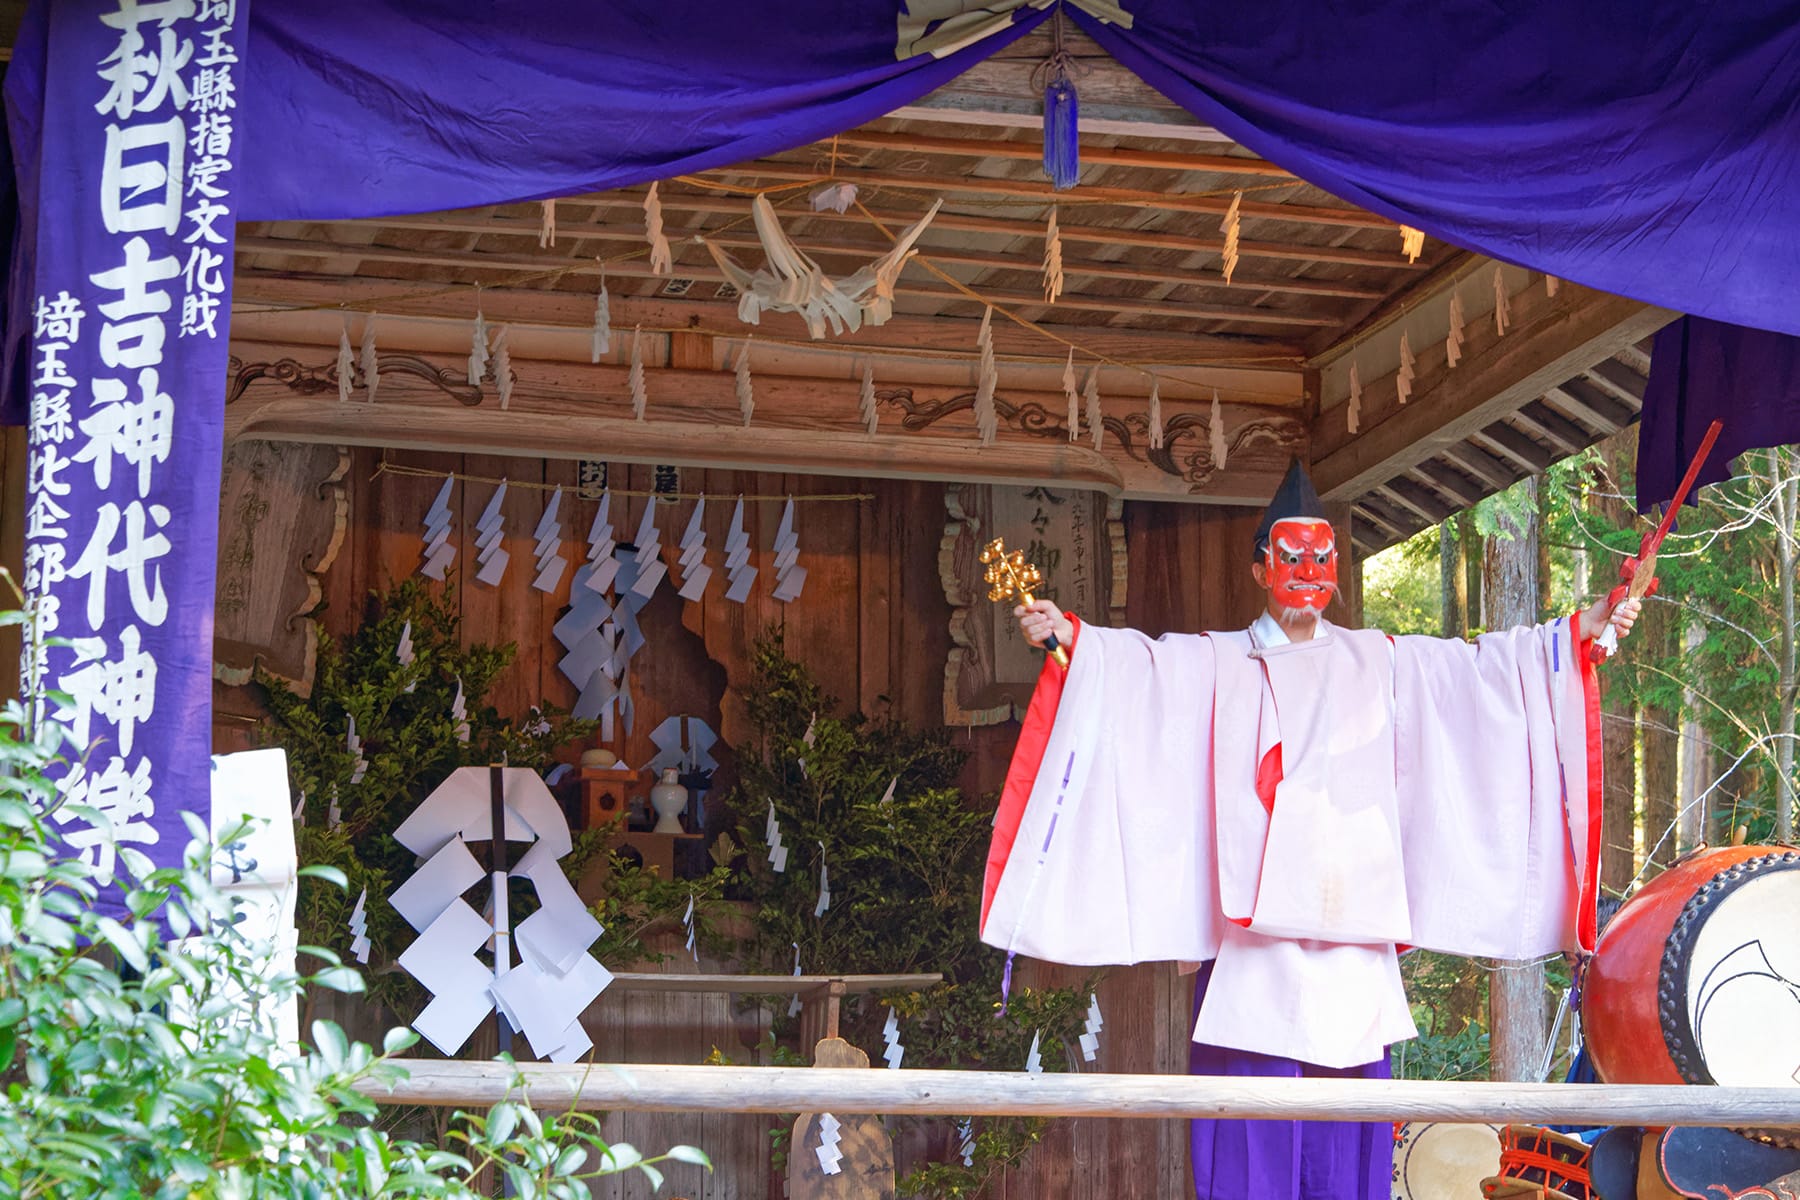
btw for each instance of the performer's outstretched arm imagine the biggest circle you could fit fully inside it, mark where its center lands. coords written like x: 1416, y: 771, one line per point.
x: 1042, y: 619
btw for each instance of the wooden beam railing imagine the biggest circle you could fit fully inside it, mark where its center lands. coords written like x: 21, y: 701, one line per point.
x: 607, y: 1086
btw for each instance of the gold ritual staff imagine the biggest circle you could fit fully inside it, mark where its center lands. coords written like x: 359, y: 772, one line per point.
x: 1009, y: 575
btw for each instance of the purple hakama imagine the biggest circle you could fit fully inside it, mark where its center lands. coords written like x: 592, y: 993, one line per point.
x: 1287, y: 1160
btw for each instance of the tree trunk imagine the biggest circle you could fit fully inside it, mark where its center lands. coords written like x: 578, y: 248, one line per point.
x: 1509, y: 592
x: 1473, y: 547
x: 1618, y: 713
x: 1787, y: 498
x: 1696, y: 753
x: 1453, y: 578
x: 1660, y: 738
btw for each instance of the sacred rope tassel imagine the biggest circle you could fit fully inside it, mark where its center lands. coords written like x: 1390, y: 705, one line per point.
x: 503, y: 372
x: 547, y: 225
x: 987, y: 378
x: 478, y: 350
x: 1156, y: 424
x: 1412, y: 242
x: 1403, y: 378
x: 1062, y: 127
x: 1216, y: 433
x: 601, y: 340
x: 1453, y: 343
x: 371, y: 369
x: 1353, y: 410
x: 1550, y: 285
x: 661, y: 261
x: 1074, y: 395
x: 635, y: 377
x: 1053, y: 264
x: 1229, y: 254
x: 746, y: 391
x: 1502, y: 303
x: 346, y: 364
x: 866, y: 399
x: 1090, y: 395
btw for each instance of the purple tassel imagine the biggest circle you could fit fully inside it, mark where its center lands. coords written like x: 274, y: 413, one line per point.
x: 1005, y: 986
x: 1062, y: 132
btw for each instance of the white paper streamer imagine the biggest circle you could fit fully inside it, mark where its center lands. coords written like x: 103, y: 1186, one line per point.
x: 1053, y: 261
x: 359, y: 928
x: 824, y: 885
x: 371, y: 367
x: 790, y: 576
x: 1073, y: 395
x: 334, y: 816
x: 965, y: 1131
x: 692, y: 927
x: 1156, y: 418
x: 353, y: 744
x: 1215, y: 433
x: 600, y: 340
x: 1403, y: 378
x: 1353, y: 408
x: 547, y: 547
x: 640, y: 397
x: 300, y: 810
x: 746, y: 390
x: 778, y: 856
x: 1091, y: 395
x: 987, y: 378
x: 490, y: 530
x: 438, y: 553
x: 890, y: 1033
x: 1090, y: 1033
x: 503, y: 372
x: 1034, y: 1061
x: 838, y: 197
x: 1453, y: 342
x: 694, y: 571
x: 661, y: 261
x: 793, y: 1009
x: 547, y: 225
x: 459, y: 714
x: 866, y: 399
x: 346, y: 364
x: 830, y: 1157
x: 478, y: 350
x: 1502, y: 303
x: 1229, y: 254
x: 739, y: 573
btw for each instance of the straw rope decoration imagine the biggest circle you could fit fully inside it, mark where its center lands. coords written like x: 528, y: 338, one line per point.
x: 746, y: 390
x: 1074, y: 398
x: 1412, y: 242
x: 547, y: 226
x: 1353, y: 409
x: 1453, y: 342
x: 1053, y: 261
x: 346, y: 365
x: 662, y: 262
x: 1502, y: 303
x: 1228, y: 257
x: 1403, y: 377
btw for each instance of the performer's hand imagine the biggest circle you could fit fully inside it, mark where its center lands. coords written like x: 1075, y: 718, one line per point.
x: 1594, y: 619
x: 1040, y: 619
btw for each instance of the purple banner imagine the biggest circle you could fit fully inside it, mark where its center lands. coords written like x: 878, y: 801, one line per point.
x: 129, y: 324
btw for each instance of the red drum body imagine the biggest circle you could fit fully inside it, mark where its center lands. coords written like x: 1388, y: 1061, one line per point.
x: 1538, y: 1164
x: 1697, y: 979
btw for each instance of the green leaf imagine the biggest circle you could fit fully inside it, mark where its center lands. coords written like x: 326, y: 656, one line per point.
x: 122, y: 940
x: 340, y: 979
x: 501, y: 1122
x: 326, y: 872
x: 399, y: 1039
x: 689, y: 1154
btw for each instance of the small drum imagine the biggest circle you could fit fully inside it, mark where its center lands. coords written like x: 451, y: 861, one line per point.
x: 1697, y: 980
x: 1439, y: 1160
x: 1539, y: 1164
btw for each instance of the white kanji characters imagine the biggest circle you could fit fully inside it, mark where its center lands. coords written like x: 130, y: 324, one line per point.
x: 44, y: 468
x: 204, y: 271
x: 141, y: 176
x: 140, y: 431
x: 119, y: 797
x: 51, y: 371
x: 133, y: 559
x: 59, y: 319
x: 138, y: 79
x: 44, y: 565
x: 121, y: 690
x: 51, y: 420
x: 133, y: 333
x: 218, y: 48
x: 205, y: 215
x: 203, y: 177
x: 222, y: 11
x: 199, y: 314
x: 213, y: 90
x: 210, y: 135
x: 206, y: 285
x: 44, y: 517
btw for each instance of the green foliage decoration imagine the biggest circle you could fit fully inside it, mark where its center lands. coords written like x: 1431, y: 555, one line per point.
x: 906, y: 879
x: 131, y: 1065
x: 411, y: 745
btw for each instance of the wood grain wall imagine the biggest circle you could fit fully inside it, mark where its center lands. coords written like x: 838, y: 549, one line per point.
x: 872, y: 625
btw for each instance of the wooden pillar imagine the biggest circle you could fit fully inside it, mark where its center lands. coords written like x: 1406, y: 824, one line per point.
x: 1660, y: 739
x: 13, y: 443
x: 1509, y: 589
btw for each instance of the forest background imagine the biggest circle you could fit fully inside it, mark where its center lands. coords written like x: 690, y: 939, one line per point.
x: 1698, y: 710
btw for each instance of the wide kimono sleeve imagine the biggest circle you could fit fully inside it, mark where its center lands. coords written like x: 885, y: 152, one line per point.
x: 1103, y: 843
x: 1497, y: 769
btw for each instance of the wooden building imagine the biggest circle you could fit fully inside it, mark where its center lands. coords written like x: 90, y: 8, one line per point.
x: 1298, y: 339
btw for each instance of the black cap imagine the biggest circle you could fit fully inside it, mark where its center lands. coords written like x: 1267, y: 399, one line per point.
x: 1294, y: 498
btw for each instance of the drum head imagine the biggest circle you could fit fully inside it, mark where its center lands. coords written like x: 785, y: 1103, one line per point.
x: 1444, y: 1161
x: 1730, y: 995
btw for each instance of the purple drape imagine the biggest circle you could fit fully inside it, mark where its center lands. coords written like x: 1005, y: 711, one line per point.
x: 1651, y: 150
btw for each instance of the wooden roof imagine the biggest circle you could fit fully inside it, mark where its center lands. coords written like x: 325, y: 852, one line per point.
x: 1142, y: 241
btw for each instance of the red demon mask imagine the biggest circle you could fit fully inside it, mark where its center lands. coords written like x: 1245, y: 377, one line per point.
x: 1302, y: 563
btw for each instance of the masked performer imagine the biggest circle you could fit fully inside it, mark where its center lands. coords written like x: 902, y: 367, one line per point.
x: 1287, y: 805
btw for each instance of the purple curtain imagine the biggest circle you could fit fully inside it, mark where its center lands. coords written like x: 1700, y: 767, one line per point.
x: 1651, y: 150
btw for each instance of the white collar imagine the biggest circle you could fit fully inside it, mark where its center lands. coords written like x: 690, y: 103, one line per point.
x: 1266, y: 631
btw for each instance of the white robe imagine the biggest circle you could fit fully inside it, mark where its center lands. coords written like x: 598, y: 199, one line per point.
x: 1433, y: 793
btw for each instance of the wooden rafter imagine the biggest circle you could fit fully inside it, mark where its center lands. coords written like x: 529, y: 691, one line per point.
x: 550, y: 265
x: 1110, y: 156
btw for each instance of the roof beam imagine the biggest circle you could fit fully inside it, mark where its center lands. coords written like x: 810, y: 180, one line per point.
x: 1551, y: 339
x: 1557, y: 429
x: 1463, y: 491
x: 549, y: 266
x: 575, y: 311
x: 1516, y: 446
x: 1497, y: 474
x: 1620, y: 380
x: 1033, y: 150
x: 1591, y: 404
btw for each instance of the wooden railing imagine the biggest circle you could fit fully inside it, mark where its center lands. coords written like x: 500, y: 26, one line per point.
x: 610, y: 1086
